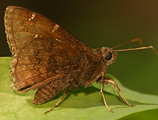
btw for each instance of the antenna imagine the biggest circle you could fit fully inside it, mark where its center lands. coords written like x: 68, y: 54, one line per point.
x: 134, y: 40
x: 138, y: 49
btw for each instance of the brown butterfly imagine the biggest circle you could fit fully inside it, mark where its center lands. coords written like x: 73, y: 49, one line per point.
x: 48, y: 58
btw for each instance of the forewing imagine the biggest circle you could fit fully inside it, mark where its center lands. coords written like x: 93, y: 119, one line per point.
x: 42, y: 51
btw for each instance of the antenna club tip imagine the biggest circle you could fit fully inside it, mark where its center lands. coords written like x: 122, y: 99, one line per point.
x: 153, y: 49
x: 140, y: 41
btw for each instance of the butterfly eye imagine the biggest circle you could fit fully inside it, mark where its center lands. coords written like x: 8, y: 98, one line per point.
x: 109, y: 56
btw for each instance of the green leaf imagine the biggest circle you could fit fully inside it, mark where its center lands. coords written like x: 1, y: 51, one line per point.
x: 80, y: 104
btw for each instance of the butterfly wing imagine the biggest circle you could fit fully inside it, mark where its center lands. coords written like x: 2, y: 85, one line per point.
x: 42, y: 51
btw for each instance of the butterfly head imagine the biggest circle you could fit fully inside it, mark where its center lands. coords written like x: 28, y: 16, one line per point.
x: 108, y: 55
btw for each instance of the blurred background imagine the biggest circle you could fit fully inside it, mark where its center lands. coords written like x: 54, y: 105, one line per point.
x: 106, y: 23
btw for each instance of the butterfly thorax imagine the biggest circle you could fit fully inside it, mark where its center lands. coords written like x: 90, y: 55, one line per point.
x: 94, y: 66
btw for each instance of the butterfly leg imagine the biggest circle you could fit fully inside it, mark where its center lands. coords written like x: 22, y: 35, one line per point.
x: 66, y: 91
x: 108, y: 81
x: 101, y: 91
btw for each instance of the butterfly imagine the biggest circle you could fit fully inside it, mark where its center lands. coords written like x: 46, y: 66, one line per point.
x: 48, y: 58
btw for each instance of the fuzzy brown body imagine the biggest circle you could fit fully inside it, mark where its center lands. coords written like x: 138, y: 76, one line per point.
x: 48, y: 58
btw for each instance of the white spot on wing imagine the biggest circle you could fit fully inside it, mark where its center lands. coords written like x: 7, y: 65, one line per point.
x: 32, y: 17
x: 56, y: 26
x: 36, y: 36
x: 59, y: 40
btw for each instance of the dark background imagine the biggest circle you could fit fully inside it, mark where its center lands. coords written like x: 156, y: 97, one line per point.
x: 106, y: 23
